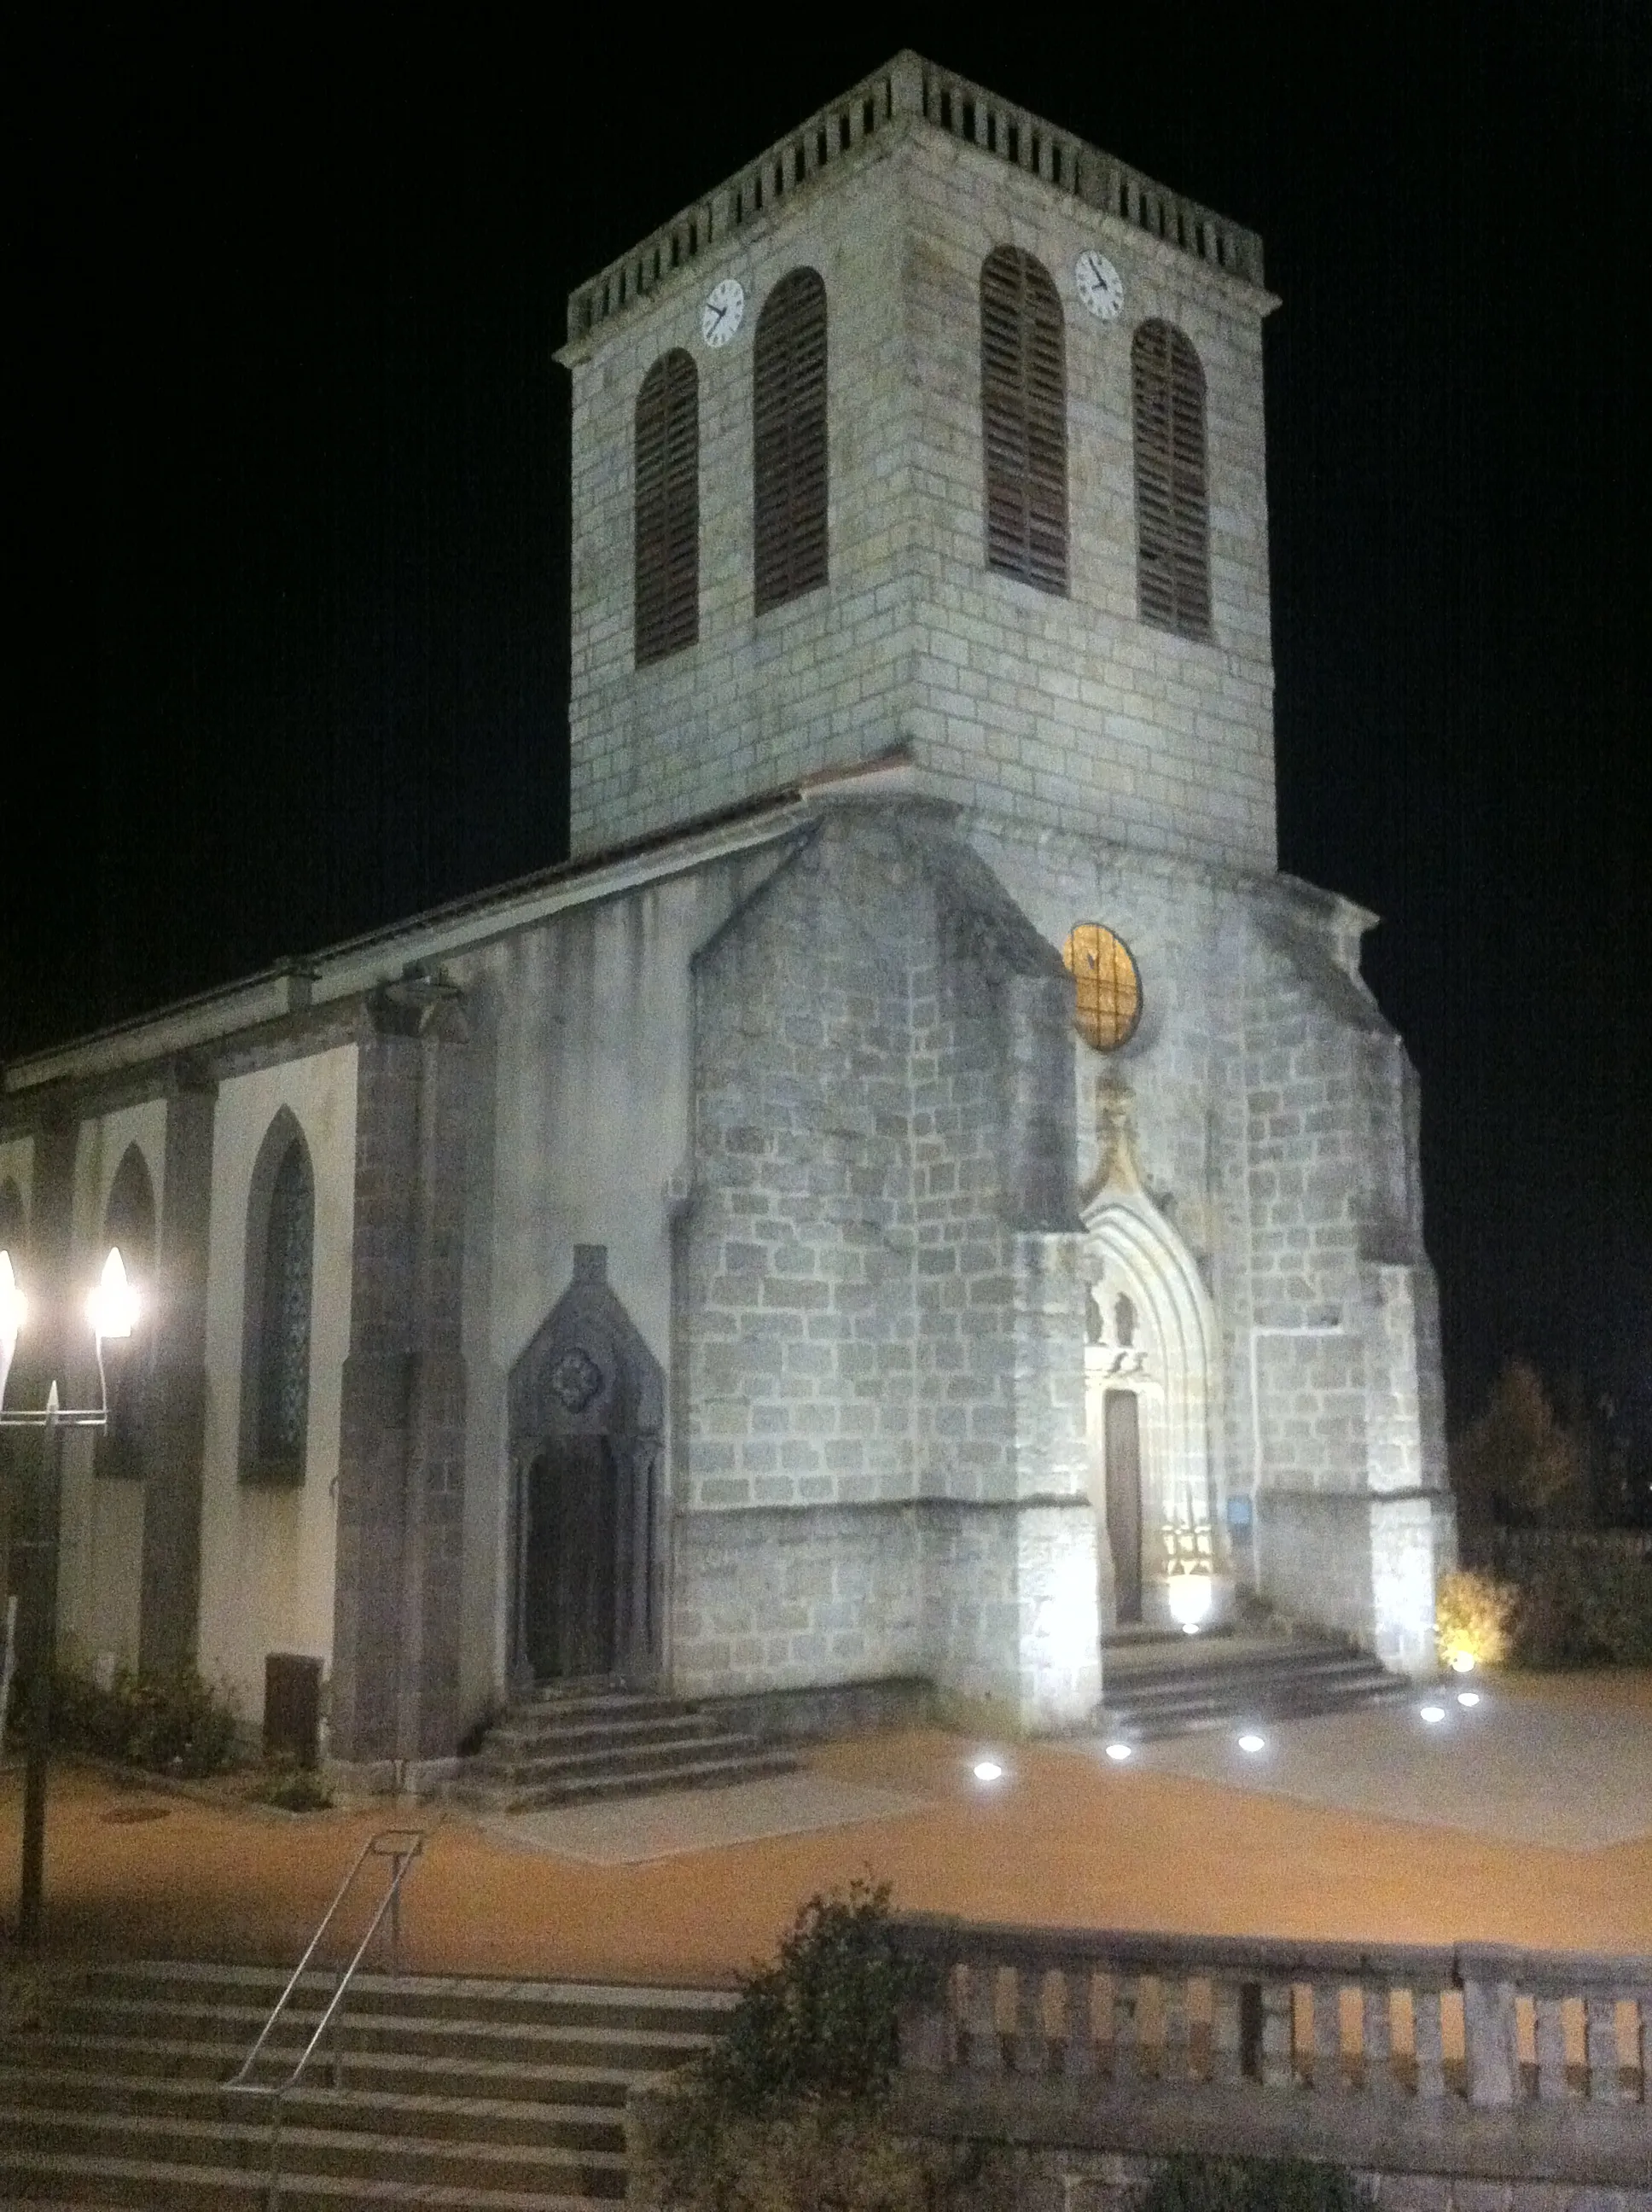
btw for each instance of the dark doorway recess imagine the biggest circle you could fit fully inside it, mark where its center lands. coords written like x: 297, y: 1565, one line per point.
x: 587, y: 1411
x: 1123, y: 1448
x: 572, y: 1571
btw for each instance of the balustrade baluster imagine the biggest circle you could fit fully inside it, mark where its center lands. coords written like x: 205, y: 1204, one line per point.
x: 1126, y: 2029
x: 1377, y: 2038
x: 981, y: 2018
x: 1490, y: 2042
x: 1225, y: 2065
x: 1552, y: 2087
x: 1279, y: 2006
x: 1426, y: 2042
x: 1079, y: 2059
x: 1173, y: 2005
x: 1327, y: 2038
x: 1600, y: 2041
x: 1031, y: 2047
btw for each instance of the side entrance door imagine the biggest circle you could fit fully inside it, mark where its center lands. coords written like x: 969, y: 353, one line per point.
x: 1122, y: 1446
x: 570, y: 1573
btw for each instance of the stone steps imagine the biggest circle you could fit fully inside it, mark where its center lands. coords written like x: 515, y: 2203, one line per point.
x: 455, y: 2092
x: 580, y: 1745
x: 1155, y: 1688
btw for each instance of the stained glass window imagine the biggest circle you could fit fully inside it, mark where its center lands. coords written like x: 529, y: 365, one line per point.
x: 283, y: 1344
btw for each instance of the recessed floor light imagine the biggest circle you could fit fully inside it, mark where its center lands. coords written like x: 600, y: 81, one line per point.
x: 1432, y: 1713
x: 988, y: 1769
x: 1251, y: 1741
x: 1120, y: 1751
x: 1462, y: 1663
x: 1468, y: 1697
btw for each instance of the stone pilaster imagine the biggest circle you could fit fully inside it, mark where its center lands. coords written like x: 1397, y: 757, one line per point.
x: 175, y: 1406
x: 395, y: 1688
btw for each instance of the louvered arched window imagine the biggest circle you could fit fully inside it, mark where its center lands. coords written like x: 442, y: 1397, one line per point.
x: 667, y: 508
x: 129, y: 1225
x: 276, y: 1362
x: 1173, y: 521
x: 788, y: 411
x: 1024, y: 419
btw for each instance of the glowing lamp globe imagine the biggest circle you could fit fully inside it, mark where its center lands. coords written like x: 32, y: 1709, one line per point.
x: 113, y: 1307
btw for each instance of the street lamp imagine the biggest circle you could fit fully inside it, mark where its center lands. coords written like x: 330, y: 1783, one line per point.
x: 111, y: 1310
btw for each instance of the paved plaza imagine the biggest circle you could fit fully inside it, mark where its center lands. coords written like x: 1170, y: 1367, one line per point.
x: 1528, y: 1819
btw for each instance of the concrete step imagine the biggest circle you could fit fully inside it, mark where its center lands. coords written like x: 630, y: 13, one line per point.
x: 580, y: 1743
x: 595, y: 2088
x: 361, y: 2103
x: 553, y: 1757
x: 343, y: 2150
x: 31, y: 2184
x: 1149, y: 1693
x: 527, y: 1731
x: 645, y: 1782
x: 642, y: 2049
x: 479, y: 2093
x: 594, y: 2005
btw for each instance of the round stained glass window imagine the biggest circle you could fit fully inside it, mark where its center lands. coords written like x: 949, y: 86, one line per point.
x: 1107, y: 989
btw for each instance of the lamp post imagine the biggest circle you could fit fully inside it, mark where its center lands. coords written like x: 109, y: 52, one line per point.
x: 111, y: 1310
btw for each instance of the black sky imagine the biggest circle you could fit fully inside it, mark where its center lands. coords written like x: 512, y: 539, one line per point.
x: 290, y: 456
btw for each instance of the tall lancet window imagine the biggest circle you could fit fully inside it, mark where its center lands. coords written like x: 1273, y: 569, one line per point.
x: 667, y: 508
x: 129, y: 1225
x: 1173, y: 520
x: 788, y: 411
x: 1024, y: 419
x: 280, y: 1255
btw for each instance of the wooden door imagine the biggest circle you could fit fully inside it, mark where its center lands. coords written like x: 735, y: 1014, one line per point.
x: 1123, y: 1450
x: 571, y: 1571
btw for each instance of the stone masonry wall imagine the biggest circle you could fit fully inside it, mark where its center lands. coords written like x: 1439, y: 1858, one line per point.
x: 1066, y: 711
x: 859, y: 1332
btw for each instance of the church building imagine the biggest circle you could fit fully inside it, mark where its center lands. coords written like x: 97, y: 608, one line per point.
x: 918, y: 1193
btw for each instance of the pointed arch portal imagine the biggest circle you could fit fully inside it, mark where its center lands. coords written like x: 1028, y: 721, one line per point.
x: 587, y: 1411
x: 1147, y: 1370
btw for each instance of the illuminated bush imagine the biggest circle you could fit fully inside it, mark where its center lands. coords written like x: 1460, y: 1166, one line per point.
x: 1473, y: 1617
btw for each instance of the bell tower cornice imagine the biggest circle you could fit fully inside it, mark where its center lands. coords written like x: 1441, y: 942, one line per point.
x: 909, y: 93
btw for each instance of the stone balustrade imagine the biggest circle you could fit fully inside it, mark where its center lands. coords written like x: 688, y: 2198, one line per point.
x: 1475, y: 2026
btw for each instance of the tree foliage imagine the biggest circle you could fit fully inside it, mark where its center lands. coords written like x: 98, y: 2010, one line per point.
x: 1515, y: 1465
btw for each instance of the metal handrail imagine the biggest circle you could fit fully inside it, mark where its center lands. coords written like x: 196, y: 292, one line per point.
x: 403, y: 1845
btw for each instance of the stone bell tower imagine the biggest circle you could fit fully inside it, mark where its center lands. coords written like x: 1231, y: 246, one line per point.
x: 815, y: 348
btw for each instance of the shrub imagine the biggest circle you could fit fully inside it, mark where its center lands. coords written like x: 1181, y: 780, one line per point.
x: 1583, y: 1600
x: 788, y: 2111
x: 1190, y: 2184
x: 292, y: 1788
x: 1472, y: 1615
x: 170, y: 1722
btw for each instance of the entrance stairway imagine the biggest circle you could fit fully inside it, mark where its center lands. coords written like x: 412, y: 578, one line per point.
x: 1160, y: 1683
x: 467, y: 2095
x: 566, y: 1745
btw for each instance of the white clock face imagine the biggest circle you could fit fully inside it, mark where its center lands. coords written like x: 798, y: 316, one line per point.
x: 723, y: 312
x: 1100, y: 285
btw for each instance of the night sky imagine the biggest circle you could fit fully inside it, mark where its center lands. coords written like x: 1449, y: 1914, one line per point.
x: 292, y: 576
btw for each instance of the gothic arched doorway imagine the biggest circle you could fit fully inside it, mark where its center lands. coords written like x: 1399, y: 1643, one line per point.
x: 1147, y: 1391
x: 587, y: 1403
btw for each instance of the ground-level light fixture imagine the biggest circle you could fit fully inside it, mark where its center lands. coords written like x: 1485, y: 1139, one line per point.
x: 1468, y: 1697
x: 1462, y: 1663
x: 1432, y: 1713
x: 1188, y: 1597
x: 1252, y: 1742
x: 988, y: 1769
x: 1118, y: 1751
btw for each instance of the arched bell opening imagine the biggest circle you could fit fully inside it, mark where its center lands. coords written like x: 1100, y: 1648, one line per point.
x: 586, y: 1409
